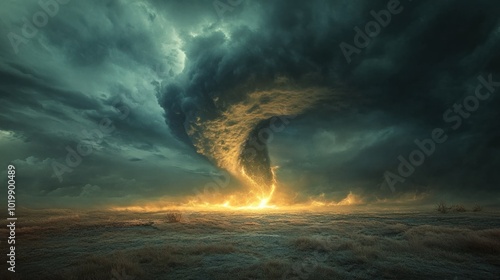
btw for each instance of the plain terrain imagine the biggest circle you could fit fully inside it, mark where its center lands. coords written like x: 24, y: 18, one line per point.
x: 59, y: 244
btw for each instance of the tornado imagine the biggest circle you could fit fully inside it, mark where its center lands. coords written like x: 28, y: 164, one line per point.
x: 226, y: 99
x: 234, y: 134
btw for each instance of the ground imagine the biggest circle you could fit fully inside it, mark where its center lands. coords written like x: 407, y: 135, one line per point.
x: 333, y: 244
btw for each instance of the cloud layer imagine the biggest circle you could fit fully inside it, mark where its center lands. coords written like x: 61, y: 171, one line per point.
x: 198, y: 84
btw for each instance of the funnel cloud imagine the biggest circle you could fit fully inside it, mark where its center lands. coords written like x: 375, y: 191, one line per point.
x: 204, y: 87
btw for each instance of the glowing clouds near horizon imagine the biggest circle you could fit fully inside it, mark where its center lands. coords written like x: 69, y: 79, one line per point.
x: 236, y: 138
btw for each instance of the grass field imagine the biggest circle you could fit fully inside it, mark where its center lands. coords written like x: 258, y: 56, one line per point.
x: 334, y: 244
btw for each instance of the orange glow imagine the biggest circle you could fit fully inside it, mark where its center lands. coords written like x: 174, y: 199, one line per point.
x: 231, y: 203
x: 262, y: 196
x: 350, y: 199
x: 257, y: 198
x: 221, y: 138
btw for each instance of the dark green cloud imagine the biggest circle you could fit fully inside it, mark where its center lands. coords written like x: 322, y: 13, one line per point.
x: 173, y: 63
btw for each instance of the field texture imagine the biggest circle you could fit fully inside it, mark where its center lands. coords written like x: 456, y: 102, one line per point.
x: 256, y: 245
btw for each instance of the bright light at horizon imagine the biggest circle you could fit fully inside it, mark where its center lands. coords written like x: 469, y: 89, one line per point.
x: 259, y: 201
x: 229, y: 204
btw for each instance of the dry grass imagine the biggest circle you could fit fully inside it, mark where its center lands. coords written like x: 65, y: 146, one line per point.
x: 274, y: 269
x: 446, y: 239
x: 477, y: 208
x: 130, y: 264
x: 249, y: 246
x: 213, y: 249
x: 116, y: 266
x: 311, y: 244
x: 458, y: 208
x: 442, y: 207
x: 174, y: 217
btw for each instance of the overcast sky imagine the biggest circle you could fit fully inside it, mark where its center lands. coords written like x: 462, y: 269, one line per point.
x: 162, y: 95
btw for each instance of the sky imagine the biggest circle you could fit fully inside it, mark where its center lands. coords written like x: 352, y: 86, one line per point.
x: 120, y: 102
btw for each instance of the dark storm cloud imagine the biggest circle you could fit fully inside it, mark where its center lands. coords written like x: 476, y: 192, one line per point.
x: 178, y: 66
x: 396, y: 90
x: 415, y: 70
x: 90, y: 61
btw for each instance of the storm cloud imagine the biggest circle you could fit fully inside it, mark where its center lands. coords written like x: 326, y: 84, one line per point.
x: 200, y: 85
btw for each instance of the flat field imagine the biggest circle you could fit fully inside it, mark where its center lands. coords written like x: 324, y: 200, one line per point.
x: 59, y: 244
